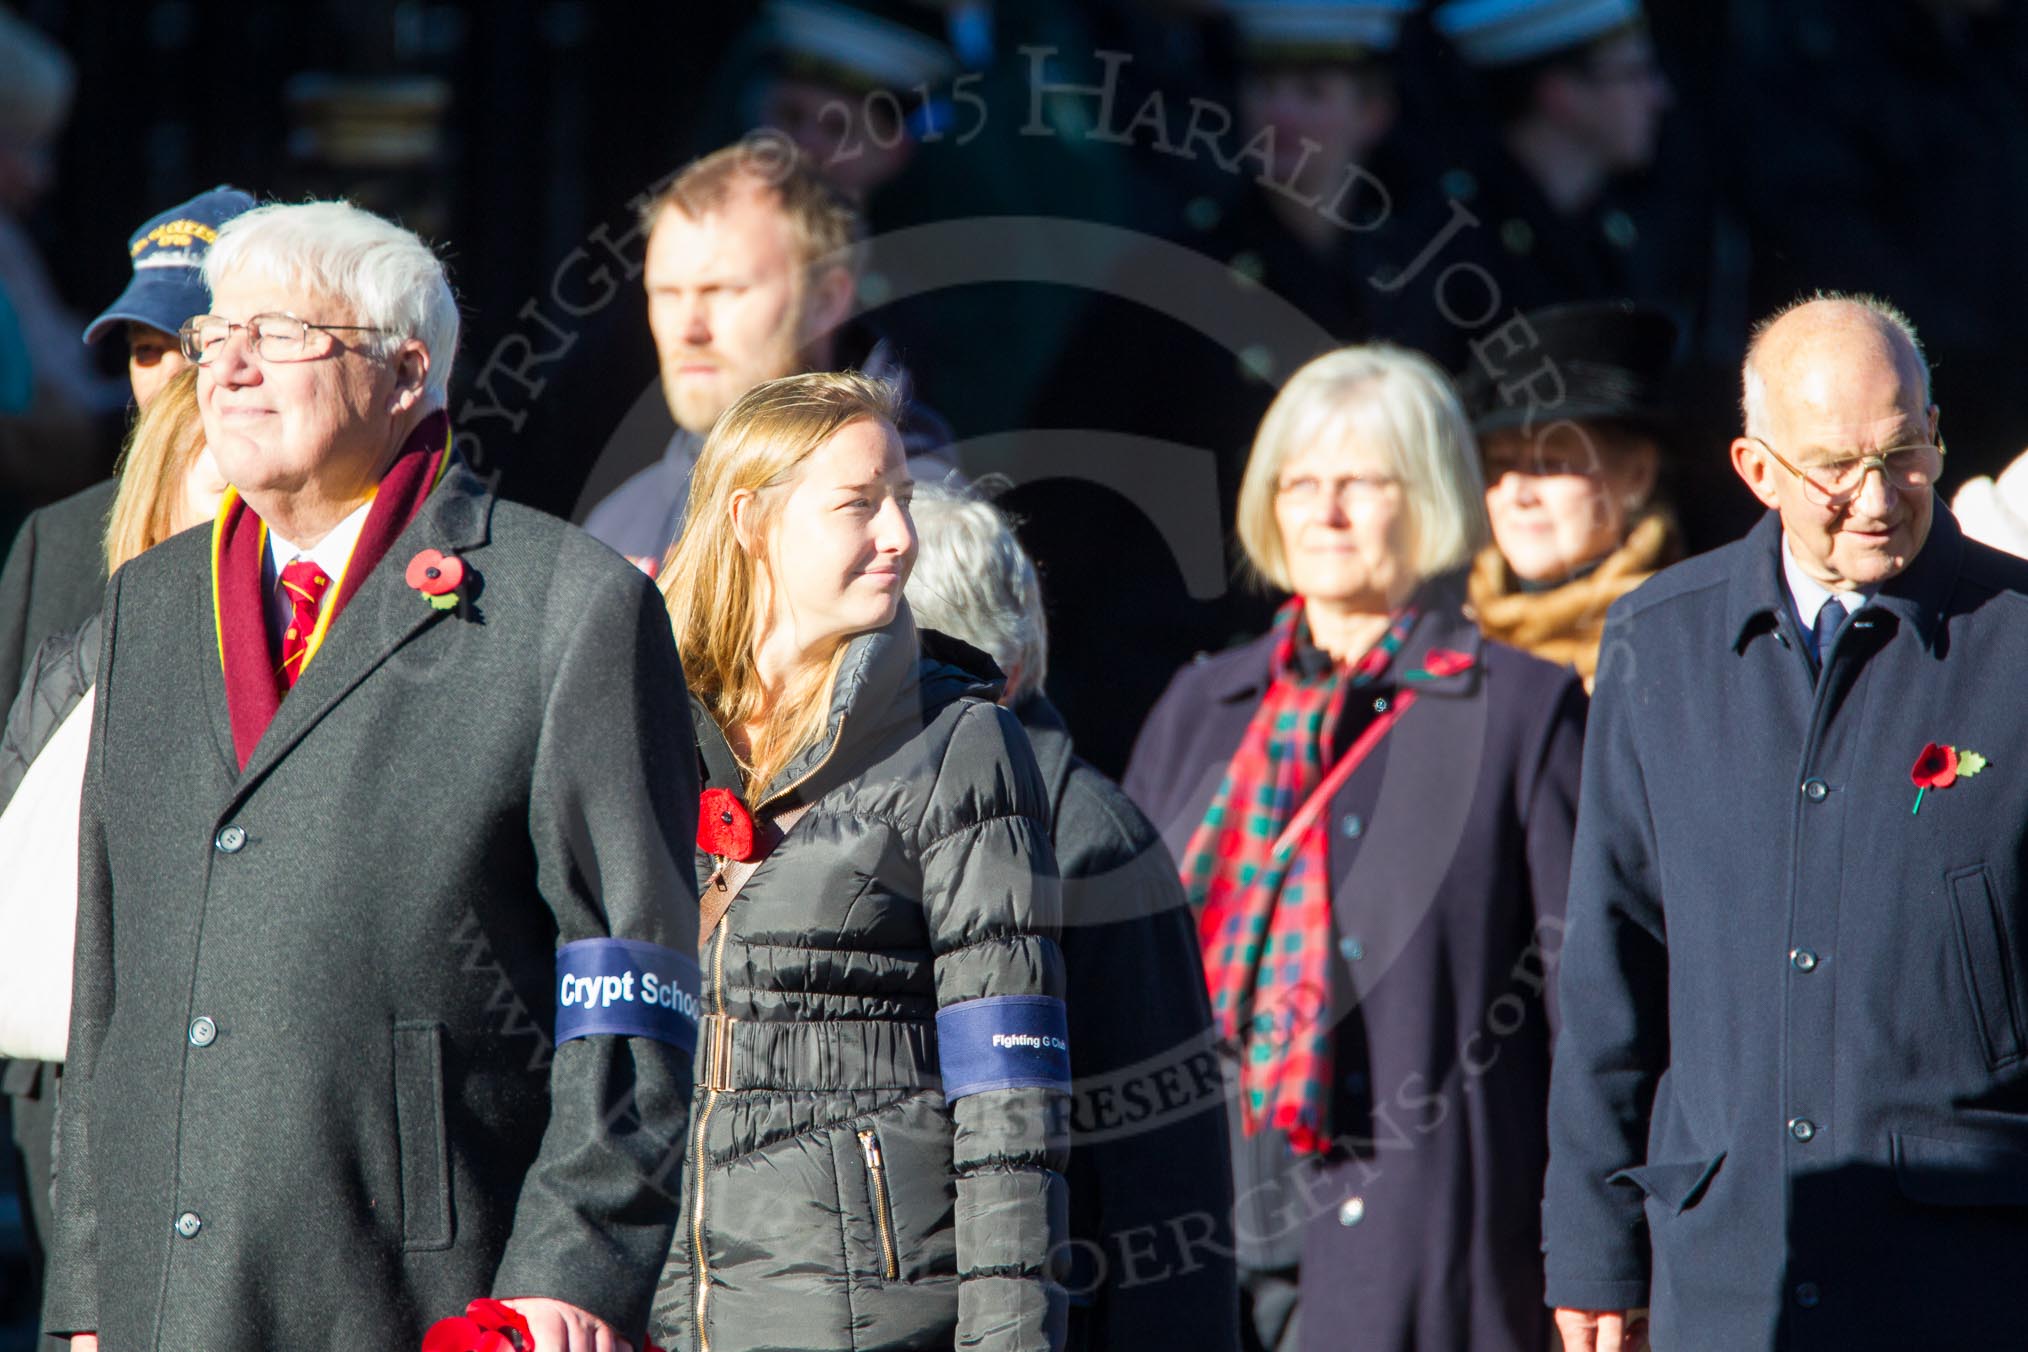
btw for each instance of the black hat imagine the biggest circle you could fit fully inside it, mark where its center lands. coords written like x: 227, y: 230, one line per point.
x: 1593, y: 361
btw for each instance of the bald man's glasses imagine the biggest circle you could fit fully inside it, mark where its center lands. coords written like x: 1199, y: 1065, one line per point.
x: 1836, y: 483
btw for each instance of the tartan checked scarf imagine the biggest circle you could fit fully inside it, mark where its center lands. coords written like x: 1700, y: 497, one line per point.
x: 1265, y: 918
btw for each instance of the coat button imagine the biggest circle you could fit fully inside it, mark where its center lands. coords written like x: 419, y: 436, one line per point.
x: 1807, y: 1295
x: 187, y: 1225
x: 1352, y: 826
x: 1351, y: 949
x: 203, y: 1032
x: 1804, y: 960
x: 1352, y: 1211
x: 1380, y: 705
x: 231, y: 840
x: 1802, y: 1128
x: 1815, y: 789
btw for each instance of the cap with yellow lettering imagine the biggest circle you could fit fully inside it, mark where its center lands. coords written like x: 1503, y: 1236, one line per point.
x: 168, y: 258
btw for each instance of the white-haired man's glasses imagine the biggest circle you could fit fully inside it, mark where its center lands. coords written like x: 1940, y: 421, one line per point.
x: 1836, y: 483
x: 273, y: 337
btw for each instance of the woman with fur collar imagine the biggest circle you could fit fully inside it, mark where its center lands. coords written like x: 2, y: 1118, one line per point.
x: 1570, y: 415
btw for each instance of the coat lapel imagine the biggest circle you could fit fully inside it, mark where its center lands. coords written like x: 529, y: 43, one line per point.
x: 382, y: 615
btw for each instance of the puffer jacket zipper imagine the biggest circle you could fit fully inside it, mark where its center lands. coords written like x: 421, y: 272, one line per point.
x: 700, y: 1266
x: 883, y: 1212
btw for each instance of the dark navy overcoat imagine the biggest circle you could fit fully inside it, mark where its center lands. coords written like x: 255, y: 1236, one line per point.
x: 1791, y: 1066
x: 1450, y: 847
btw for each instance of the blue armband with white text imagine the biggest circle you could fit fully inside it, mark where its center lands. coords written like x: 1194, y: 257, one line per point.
x: 626, y: 988
x: 1003, y: 1042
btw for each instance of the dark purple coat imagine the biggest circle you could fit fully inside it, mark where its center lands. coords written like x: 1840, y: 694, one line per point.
x: 1450, y: 856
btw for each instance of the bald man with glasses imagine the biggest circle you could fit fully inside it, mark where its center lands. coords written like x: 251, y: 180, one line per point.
x: 1790, y: 1100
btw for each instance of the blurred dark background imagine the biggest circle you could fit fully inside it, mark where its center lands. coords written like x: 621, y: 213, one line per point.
x: 1879, y: 145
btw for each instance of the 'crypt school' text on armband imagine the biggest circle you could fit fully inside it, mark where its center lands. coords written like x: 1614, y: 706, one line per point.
x: 626, y: 988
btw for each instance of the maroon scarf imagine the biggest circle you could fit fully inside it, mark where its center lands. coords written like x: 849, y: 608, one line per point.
x: 247, y: 649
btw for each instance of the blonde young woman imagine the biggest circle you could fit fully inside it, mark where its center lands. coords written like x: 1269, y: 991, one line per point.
x: 168, y: 483
x: 875, y: 1155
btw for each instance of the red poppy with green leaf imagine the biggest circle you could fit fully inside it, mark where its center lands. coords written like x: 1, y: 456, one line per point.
x: 1939, y: 767
x: 437, y: 576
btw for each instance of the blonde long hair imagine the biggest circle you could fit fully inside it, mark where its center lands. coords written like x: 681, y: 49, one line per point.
x: 716, y: 590
x: 160, y: 451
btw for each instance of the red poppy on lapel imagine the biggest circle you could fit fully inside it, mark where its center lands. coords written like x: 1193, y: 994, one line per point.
x: 724, y: 826
x: 437, y: 576
x: 1939, y: 767
x: 1935, y: 768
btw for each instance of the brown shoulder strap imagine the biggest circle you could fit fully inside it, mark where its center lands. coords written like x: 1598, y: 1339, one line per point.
x: 725, y: 885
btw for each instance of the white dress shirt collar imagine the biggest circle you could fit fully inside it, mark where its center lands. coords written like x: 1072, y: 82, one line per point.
x: 1808, y: 595
x: 330, y: 554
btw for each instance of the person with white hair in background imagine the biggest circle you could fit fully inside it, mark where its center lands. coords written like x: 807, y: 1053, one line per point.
x: 1373, y: 806
x: 1149, y: 1158
x: 384, y: 974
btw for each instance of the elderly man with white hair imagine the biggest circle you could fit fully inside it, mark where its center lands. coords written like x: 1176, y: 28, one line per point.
x: 1790, y: 1100
x: 384, y: 971
x: 1150, y: 1177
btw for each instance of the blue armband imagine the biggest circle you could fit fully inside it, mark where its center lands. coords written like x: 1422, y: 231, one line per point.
x: 1003, y: 1042
x: 626, y: 988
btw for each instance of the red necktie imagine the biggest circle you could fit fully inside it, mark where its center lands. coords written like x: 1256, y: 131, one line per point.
x: 305, y: 584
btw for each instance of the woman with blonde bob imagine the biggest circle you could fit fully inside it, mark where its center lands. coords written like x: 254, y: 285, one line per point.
x: 167, y: 483
x: 875, y: 1155
x: 1372, y: 810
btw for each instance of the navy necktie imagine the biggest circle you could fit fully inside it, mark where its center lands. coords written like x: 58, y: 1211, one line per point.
x: 1830, y: 616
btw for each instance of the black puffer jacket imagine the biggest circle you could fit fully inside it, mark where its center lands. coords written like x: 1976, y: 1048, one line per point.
x: 833, y: 1197
x: 53, y: 682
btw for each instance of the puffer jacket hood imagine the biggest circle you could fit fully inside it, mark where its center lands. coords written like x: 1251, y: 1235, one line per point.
x: 892, y: 680
x: 833, y: 1194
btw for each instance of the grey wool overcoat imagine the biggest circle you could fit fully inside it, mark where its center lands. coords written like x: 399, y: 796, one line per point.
x: 312, y: 1099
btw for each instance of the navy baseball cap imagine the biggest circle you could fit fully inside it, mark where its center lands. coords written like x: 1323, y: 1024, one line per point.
x: 168, y: 253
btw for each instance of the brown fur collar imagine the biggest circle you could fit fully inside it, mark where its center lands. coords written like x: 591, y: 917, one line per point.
x: 1563, y: 625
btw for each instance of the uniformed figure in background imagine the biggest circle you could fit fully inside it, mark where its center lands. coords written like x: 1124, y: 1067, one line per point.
x: 1787, y: 1104
x: 1288, y: 254
x: 1562, y: 192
